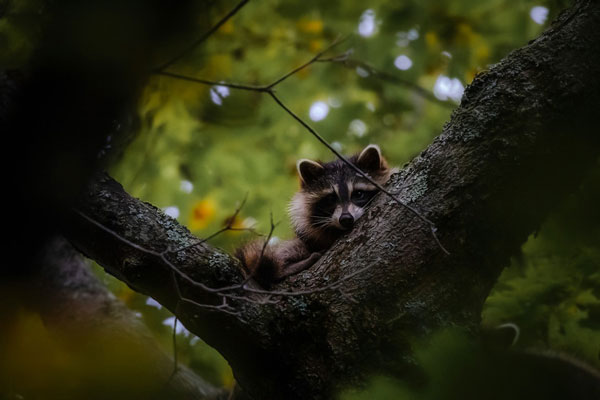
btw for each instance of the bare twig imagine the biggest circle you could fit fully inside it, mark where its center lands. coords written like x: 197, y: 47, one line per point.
x: 358, y: 170
x: 175, y: 362
x: 332, y: 286
x: 273, y: 226
x: 228, y: 227
x: 226, y: 292
x: 159, y: 254
x: 223, y: 307
x: 347, y: 62
x: 316, y: 58
x: 342, y: 59
x: 202, y: 38
x: 270, y: 90
x: 230, y: 222
x: 221, y: 292
x: 262, y: 251
x: 256, y: 88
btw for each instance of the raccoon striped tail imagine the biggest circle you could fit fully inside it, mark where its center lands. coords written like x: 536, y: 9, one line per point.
x: 259, y: 263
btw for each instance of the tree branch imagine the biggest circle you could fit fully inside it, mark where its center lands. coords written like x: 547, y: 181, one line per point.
x: 352, y: 63
x: 488, y: 181
x: 270, y: 89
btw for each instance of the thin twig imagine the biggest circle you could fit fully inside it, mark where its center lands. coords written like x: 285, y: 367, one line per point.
x: 161, y: 255
x: 228, y: 227
x: 358, y: 170
x: 270, y: 90
x: 340, y: 59
x: 224, y: 307
x: 317, y: 57
x: 175, y: 271
x: 262, y: 251
x: 273, y: 225
x: 331, y: 286
x: 202, y: 38
x: 386, y: 77
x: 256, y: 88
x: 175, y: 364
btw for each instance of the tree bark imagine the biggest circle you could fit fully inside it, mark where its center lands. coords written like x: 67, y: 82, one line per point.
x: 523, y: 137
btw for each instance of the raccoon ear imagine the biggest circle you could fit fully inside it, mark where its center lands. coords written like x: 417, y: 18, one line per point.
x: 370, y: 159
x: 309, y: 170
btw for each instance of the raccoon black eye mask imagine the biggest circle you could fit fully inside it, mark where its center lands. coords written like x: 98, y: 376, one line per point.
x: 331, y: 198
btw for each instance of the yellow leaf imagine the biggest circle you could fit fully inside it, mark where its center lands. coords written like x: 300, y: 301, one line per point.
x: 310, y: 25
x: 470, y: 74
x: 315, y: 45
x: 465, y: 34
x: 482, y: 52
x: 203, y: 213
x: 573, y: 310
x: 227, y: 27
x: 219, y: 65
x: 432, y: 40
x: 235, y: 223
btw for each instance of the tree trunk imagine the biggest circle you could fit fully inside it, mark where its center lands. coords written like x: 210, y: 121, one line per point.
x: 523, y: 137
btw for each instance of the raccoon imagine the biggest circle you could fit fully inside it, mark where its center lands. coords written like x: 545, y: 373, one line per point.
x: 331, y: 198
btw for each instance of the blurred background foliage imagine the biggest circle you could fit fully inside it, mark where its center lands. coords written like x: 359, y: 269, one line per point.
x: 196, y: 150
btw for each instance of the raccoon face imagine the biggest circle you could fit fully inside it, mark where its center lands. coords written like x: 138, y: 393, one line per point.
x: 342, y: 204
x: 333, y: 196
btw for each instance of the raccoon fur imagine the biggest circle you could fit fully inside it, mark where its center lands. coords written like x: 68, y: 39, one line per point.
x: 331, y: 198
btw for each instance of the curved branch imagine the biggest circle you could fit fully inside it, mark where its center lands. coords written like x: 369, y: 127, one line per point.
x: 488, y: 181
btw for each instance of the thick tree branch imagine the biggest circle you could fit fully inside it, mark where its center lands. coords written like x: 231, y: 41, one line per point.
x: 522, y: 138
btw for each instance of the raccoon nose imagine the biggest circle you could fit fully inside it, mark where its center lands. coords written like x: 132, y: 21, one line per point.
x: 346, y: 220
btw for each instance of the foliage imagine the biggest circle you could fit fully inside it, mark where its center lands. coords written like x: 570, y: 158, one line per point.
x: 553, y: 291
x: 458, y: 367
